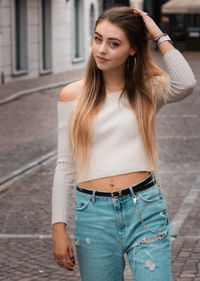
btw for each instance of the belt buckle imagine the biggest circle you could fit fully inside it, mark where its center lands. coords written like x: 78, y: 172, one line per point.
x: 116, y: 195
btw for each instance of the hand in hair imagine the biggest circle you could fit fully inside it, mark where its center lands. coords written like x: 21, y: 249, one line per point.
x: 151, y: 26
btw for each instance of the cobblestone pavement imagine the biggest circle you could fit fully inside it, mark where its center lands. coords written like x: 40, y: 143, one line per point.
x: 25, y: 211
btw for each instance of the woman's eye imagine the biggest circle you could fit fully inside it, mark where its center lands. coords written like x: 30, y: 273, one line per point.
x: 97, y: 39
x: 115, y: 44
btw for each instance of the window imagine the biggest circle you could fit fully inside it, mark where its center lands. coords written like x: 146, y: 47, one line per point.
x: 20, y: 46
x: 92, y: 21
x: 78, y: 29
x: 46, y: 61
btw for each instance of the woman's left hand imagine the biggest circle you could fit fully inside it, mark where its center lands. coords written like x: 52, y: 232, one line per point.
x: 151, y: 26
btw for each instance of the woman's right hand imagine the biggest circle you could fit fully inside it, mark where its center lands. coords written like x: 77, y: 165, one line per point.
x: 62, y: 247
x: 151, y: 26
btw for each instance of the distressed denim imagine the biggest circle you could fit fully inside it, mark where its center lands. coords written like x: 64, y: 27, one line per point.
x: 105, y: 228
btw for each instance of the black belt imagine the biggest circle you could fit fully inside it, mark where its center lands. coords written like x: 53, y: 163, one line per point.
x: 116, y: 193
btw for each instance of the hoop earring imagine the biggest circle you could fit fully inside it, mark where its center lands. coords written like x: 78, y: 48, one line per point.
x: 131, y: 62
x: 135, y: 61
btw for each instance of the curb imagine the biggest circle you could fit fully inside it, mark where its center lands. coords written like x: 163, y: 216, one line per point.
x: 9, y: 179
x: 37, y: 89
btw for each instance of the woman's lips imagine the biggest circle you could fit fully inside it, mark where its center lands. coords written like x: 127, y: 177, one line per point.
x: 100, y: 59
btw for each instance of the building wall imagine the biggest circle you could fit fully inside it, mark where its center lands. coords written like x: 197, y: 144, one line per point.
x: 5, y: 30
x: 1, y: 41
x: 33, y: 39
x: 62, y: 37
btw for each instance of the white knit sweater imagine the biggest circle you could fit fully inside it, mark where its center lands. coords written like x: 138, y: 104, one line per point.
x: 117, y: 146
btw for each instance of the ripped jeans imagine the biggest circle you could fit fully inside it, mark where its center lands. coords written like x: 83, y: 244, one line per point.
x: 105, y: 228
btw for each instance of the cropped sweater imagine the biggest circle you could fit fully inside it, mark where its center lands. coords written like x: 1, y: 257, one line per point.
x: 116, y: 146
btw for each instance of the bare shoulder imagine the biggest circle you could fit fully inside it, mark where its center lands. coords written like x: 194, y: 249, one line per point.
x: 71, y: 92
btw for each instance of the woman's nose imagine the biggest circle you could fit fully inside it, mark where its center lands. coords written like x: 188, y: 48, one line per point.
x: 102, y: 48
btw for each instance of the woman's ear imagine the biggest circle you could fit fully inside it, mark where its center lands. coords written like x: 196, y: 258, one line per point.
x: 133, y: 51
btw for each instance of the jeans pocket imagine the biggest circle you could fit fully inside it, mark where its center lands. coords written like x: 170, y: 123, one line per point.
x: 81, y: 204
x: 150, y: 195
x: 81, y: 215
x: 152, y: 209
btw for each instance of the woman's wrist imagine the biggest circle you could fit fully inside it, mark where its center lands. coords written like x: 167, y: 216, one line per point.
x: 59, y: 226
x: 163, y: 42
x: 156, y: 34
x: 165, y: 47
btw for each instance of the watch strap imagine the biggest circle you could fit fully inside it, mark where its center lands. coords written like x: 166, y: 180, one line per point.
x: 155, y: 39
x: 164, y: 38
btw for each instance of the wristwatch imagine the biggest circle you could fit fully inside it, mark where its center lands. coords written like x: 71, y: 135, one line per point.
x: 164, y: 38
x: 155, y: 39
x: 161, y: 38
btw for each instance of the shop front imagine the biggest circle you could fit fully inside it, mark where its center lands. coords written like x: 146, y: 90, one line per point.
x: 182, y: 23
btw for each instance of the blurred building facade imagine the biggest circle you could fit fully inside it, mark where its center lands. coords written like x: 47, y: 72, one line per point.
x: 180, y: 19
x: 182, y: 23
x: 39, y: 37
x: 153, y: 7
x: 105, y: 4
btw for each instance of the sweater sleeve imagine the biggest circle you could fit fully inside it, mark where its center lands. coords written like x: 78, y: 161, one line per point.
x: 181, y: 83
x: 64, y: 177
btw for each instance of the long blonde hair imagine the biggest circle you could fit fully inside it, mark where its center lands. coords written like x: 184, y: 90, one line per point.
x: 140, y: 78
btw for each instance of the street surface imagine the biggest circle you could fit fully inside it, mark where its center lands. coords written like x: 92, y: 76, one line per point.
x: 28, y: 156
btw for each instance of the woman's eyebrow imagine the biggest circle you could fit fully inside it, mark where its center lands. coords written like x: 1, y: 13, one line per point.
x: 110, y: 38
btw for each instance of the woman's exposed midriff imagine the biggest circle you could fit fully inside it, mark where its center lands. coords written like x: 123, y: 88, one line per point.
x: 115, y: 182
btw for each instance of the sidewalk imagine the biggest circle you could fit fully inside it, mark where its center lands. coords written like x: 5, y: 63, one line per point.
x: 12, y: 90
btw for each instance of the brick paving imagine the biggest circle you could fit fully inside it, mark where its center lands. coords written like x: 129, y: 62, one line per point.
x: 25, y: 204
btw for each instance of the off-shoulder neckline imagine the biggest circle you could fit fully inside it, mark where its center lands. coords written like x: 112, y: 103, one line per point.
x: 74, y: 101
x: 66, y: 102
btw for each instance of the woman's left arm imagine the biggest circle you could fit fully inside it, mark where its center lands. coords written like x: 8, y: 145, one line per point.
x: 154, y: 31
x: 182, y: 81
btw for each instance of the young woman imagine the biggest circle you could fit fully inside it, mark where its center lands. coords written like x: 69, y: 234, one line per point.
x: 107, y: 150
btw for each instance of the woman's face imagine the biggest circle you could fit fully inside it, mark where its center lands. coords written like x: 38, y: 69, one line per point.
x: 110, y: 46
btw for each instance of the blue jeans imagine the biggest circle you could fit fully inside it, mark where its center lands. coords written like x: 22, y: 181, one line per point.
x: 105, y: 228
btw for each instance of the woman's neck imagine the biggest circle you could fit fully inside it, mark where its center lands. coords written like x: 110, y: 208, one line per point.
x: 113, y: 81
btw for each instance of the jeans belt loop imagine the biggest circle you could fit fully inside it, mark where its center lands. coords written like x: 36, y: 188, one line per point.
x: 132, y: 193
x: 93, y: 196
